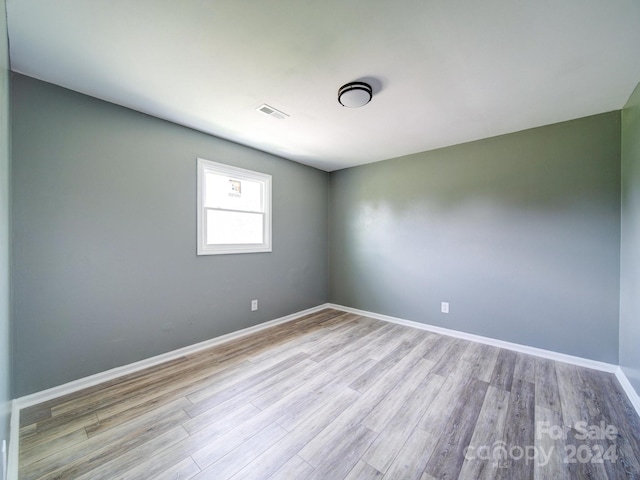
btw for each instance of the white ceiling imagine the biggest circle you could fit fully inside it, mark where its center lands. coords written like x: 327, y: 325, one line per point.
x: 443, y: 71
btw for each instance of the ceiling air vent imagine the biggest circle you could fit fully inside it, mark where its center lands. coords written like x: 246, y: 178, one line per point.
x: 272, y: 112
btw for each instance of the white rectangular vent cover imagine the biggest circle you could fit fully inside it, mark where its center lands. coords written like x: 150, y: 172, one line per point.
x: 272, y: 112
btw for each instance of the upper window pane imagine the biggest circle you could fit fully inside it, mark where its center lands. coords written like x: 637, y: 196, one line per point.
x: 233, y: 193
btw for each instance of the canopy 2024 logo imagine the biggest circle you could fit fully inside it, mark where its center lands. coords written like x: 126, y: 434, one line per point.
x: 574, y: 451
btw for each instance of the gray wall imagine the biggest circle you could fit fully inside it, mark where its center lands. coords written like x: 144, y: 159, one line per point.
x: 630, y: 245
x: 5, y: 343
x: 520, y: 233
x: 104, y: 267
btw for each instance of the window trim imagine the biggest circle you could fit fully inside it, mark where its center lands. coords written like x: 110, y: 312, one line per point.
x: 205, y: 166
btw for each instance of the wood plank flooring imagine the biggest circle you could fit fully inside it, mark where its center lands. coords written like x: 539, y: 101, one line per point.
x: 334, y: 396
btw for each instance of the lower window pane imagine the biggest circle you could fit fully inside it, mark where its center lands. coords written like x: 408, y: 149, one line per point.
x: 227, y: 228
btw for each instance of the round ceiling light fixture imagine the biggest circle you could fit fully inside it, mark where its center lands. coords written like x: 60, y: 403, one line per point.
x: 355, y: 94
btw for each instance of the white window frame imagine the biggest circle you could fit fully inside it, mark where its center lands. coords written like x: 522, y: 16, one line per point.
x: 207, y: 166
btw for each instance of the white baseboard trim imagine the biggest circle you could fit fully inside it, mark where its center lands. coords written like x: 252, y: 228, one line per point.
x: 14, y: 439
x: 632, y: 395
x: 76, y: 385
x: 538, y: 352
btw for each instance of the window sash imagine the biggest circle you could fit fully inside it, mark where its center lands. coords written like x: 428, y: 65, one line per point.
x: 205, y: 167
x: 210, y: 237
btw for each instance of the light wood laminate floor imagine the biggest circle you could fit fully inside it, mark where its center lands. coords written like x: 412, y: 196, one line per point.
x: 335, y: 396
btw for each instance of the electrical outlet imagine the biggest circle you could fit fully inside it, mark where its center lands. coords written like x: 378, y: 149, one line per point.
x: 444, y: 307
x: 254, y: 305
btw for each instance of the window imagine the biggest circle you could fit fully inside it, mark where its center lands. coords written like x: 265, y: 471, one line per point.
x: 234, y: 209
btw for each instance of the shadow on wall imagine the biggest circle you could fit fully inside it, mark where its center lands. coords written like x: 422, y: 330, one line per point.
x: 520, y: 232
x: 536, y: 169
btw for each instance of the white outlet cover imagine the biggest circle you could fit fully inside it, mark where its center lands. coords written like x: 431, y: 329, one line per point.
x: 444, y: 307
x: 254, y: 305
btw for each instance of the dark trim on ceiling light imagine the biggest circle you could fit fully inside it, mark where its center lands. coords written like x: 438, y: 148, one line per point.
x: 355, y: 94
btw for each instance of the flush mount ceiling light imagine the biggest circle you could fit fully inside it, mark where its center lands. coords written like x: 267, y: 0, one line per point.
x: 355, y: 94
